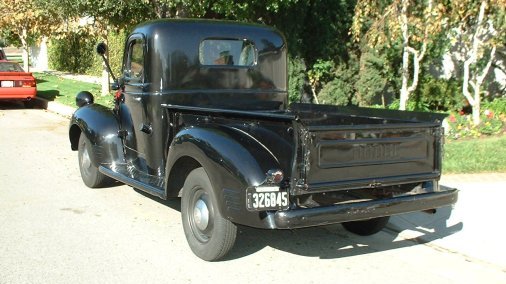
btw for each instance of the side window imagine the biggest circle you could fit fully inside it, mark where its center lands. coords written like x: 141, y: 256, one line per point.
x: 134, y: 66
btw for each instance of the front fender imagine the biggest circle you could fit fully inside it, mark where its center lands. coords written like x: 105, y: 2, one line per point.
x: 100, y: 125
x: 233, y: 160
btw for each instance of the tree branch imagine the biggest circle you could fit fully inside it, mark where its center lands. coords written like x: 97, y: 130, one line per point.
x: 480, y: 78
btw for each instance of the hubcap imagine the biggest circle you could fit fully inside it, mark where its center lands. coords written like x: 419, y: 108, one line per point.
x: 201, y: 215
x: 86, y: 162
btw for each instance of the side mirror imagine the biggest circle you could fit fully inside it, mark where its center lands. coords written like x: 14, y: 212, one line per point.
x: 101, y: 48
x: 115, y: 86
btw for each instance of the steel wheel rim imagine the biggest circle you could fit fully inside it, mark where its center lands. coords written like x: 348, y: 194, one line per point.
x: 200, y: 216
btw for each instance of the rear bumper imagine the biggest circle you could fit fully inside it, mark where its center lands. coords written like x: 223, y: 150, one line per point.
x: 17, y: 93
x: 307, y: 217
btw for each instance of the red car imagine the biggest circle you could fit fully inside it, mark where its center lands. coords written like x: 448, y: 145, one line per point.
x: 15, y: 83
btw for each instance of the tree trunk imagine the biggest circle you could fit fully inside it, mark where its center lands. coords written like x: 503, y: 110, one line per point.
x: 477, y: 88
x: 26, y: 49
x: 313, y: 92
x: 475, y: 99
x: 476, y: 106
x: 405, y: 55
x: 43, y: 56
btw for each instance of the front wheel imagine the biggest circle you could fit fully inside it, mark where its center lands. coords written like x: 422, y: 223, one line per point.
x: 89, y: 172
x: 367, y: 227
x: 209, y: 235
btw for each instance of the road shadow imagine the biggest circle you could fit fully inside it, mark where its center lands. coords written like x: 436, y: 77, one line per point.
x: 36, y: 103
x: 7, y: 105
x: 333, y: 241
x: 49, y: 95
x: 173, y: 203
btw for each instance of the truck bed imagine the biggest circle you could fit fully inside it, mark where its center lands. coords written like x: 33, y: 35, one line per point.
x: 343, y: 148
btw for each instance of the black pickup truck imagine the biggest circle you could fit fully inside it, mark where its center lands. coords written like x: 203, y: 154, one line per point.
x: 201, y: 112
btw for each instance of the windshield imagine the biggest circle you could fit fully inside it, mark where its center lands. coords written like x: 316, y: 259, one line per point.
x: 10, y: 67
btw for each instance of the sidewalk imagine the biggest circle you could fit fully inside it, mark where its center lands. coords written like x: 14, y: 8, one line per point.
x: 471, y: 228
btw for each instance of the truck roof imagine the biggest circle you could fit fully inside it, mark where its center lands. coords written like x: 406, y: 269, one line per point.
x: 179, y: 56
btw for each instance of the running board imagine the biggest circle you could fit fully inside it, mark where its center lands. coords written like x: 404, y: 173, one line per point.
x: 153, y: 190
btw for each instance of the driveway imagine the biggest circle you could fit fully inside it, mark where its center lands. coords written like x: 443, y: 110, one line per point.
x: 53, y: 229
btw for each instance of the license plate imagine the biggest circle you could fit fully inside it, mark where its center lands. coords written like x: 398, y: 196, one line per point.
x: 262, y: 199
x: 7, y: 84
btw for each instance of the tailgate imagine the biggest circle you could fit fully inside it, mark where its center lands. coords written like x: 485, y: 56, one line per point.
x: 362, y: 156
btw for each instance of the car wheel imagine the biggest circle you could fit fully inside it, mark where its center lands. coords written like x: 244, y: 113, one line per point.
x: 209, y: 235
x: 367, y: 227
x: 89, y: 172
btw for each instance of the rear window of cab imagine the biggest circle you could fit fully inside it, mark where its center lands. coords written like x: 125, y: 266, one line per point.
x: 227, y: 52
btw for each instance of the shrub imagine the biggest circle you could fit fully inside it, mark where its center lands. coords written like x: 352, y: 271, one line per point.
x: 497, y: 106
x: 115, y: 45
x: 411, y: 105
x: 76, y: 53
x: 341, y: 89
x: 297, y: 79
x: 439, y: 94
x: 73, y: 53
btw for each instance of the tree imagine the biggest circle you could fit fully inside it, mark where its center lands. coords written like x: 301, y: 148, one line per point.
x: 412, y: 22
x: 101, y: 16
x: 27, y: 20
x: 479, y: 27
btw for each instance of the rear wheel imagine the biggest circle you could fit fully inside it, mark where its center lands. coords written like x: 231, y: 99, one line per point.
x: 367, y: 227
x: 89, y: 172
x: 209, y: 235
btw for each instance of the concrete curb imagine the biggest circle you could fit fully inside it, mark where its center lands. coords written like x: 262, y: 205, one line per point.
x: 55, y: 107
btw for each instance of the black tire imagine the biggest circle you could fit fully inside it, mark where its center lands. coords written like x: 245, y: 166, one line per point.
x: 89, y: 172
x: 209, y: 235
x: 367, y: 227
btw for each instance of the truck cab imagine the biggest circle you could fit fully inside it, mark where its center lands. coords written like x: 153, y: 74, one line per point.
x: 201, y: 113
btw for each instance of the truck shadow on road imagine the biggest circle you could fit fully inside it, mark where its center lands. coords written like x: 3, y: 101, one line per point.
x: 333, y: 241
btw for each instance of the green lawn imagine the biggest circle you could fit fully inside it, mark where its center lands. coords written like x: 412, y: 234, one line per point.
x: 475, y: 155
x: 54, y: 88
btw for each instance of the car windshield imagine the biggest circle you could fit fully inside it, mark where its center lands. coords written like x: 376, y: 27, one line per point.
x: 10, y: 67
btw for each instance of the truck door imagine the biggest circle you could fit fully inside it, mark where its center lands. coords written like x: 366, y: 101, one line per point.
x: 133, y: 106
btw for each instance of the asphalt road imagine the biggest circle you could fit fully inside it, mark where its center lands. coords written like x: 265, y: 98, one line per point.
x: 53, y: 229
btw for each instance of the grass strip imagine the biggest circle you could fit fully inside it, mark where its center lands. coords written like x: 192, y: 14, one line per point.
x: 475, y: 155
x: 61, y: 90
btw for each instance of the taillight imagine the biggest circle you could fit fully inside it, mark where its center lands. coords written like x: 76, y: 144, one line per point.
x: 28, y: 83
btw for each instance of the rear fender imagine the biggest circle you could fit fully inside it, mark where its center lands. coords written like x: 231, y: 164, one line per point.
x: 233, y: 161
x: 100, y: 126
